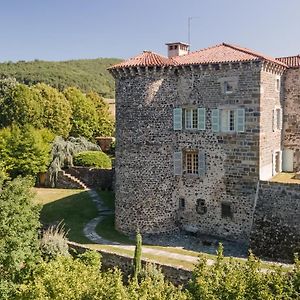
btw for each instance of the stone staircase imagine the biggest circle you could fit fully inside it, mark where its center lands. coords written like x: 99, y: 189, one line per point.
x: 67, y: 180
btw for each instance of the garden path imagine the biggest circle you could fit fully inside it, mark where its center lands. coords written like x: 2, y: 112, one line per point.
x: 91, y: 234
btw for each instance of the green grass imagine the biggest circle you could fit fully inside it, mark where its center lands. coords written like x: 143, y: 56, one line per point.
x: 73, y: 207
x: 108, y: 198
x: 107, y: 230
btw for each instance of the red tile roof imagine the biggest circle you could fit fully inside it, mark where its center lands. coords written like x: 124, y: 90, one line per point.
x: 223, y: 53
x: 146, y: 59
x: 291, y: 61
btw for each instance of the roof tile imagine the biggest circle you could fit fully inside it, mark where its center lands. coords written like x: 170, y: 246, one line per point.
x: 222, y: 53
x: 291, y: 61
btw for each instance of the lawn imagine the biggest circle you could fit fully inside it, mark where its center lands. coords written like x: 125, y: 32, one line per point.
x: 106, y: 228
x: 72, y: 207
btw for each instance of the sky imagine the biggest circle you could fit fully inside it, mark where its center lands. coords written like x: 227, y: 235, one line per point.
x: 72, y: 29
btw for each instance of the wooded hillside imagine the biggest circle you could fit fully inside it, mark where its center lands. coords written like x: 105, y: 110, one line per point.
x: 86, y: 74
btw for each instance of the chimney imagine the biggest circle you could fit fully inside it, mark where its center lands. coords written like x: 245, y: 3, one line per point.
x: 177, y: 49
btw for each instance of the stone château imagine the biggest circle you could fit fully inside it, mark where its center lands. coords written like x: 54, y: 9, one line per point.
x: 198, y: 132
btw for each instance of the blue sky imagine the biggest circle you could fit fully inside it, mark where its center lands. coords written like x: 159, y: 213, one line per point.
x: 70, y: 29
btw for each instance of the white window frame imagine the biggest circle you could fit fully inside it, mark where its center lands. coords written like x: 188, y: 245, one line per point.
x: 277, y: 119
x: 192, y: 115
x: 229, y: 118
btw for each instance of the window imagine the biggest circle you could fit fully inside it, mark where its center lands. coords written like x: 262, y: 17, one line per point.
x: 228, y: 87
x: 277, y: 119
x: 228, y: 120
x: 175, y: 47
x: 181, y: 204
x: 277, y: 84
x: 191, y: 118
x: 191, y: 162
x: 201, y: 207
x: 170, y: 47
x: 226, y: 210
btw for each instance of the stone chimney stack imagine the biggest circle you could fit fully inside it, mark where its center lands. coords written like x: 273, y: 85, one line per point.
x: 177, y: 49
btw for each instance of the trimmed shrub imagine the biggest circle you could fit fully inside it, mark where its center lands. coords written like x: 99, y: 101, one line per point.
x: 92, y: 159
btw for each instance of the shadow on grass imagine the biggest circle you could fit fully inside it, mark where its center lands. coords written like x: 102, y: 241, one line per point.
x: 75, y: 211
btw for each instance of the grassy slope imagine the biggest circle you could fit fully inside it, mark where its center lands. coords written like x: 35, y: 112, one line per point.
x: 73, y: 207
x: 87, y: 74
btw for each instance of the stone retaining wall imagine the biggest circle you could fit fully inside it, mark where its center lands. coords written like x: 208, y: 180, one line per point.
x: 276, y: 228
x: 109, y: 260
x: 94, y: 178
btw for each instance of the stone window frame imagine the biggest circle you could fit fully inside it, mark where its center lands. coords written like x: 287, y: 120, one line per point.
x: 227, y: 82
x: 277, y: 114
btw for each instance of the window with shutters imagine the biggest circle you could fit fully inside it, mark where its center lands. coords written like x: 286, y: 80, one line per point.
x: 189, y: 118
x: 228, y: 120
x: 191, y: 162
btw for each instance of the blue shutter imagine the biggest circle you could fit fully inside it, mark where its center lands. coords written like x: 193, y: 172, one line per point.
x: 201, y: 163
x: 177, y: 159
x: 177, y: 118
x: 240, y: 120
x: 201, y: 118
x: 215, y: 123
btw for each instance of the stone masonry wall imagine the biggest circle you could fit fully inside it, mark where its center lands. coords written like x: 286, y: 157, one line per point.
x: 270, y: 137
x: 147, y: 192
x: 291, y: 126
x: 111, y: 260
x: 276, y: 228
x: 94, y: 177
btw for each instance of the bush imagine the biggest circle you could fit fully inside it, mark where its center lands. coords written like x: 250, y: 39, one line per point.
x: 54, y: 242
x: 92, y: 159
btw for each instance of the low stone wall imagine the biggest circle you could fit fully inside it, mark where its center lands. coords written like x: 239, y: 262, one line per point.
x: 276, y: 227
x: 94, y: 178
x: 177, y: 276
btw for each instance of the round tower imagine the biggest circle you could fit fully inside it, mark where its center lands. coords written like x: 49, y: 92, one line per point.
x: 145, y: 88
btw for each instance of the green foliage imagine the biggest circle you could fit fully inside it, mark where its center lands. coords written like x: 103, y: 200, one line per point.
x: 19, y: 105
x: 96, y: 159
x: 68, y: 278
x: 137, y: 260
x: 84, y: 114
x: 63, y: 152
x: 54, y: 242
x: 236, y: 280
x: 152, y: 285
x: 25, y: 151
x: 86, y: 74
x: 105, y: 124
x: 19, y: 222
x: 56, y: 110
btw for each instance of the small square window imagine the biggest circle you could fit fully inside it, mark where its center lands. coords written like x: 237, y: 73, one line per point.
x: 175, y: 47
x: 170, y: 47
x: 201, y: 207
x: 226, y: 211
x: 228, y: 87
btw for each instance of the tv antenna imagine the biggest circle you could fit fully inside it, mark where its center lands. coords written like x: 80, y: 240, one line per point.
x: 189, y: 29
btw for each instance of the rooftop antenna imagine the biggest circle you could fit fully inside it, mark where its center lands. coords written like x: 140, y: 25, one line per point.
x: 189, y: 30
